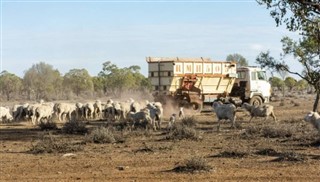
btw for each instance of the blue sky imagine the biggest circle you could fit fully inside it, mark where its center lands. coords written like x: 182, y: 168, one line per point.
x: 85, y: 34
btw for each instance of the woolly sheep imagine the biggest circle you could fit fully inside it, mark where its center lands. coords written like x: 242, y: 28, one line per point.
x: 259, y: 111
x: 5, y: 114
x: 314, y: 119
x: 224, y: 111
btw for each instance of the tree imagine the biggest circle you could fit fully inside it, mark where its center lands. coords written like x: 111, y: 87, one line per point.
x: 241, y: 61
x: 304, y: 16
x: 9, y: 84
x: 290, y: 82
x: 42, y: 80
x: 118, y: 80
x: 276, y: 82
x: 302, y: 85
x: 78, y: 80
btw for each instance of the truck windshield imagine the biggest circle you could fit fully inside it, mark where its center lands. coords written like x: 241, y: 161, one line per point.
x: 262, y: 75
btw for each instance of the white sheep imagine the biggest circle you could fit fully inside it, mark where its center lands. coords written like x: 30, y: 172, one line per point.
x: 171, y: 122
x: 141, y: 116
x: 156, y: 113
x: 314, y: 119
x: 5, y: 114
x: 64, y: 109
x: 44, y: 111
x: 97, y: 109
x: 260, y: 111
x: 224, y: 111
x: 181, y: 113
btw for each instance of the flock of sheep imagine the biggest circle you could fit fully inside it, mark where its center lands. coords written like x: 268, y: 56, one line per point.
x: 151, y: 113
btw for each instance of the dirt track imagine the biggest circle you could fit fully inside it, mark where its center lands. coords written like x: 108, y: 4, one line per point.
x: 234, y: 154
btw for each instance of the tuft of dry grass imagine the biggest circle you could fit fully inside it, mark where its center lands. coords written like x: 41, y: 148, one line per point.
x: 193, y: 165
x: 49, y: 144
x: 75, y: 127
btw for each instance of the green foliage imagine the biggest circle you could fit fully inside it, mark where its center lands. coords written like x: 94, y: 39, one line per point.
x: 78, y: 80
x: 302, y: 84
x: 42, y: 80
x: 116, y: 80
x: 241, y: 61
x: 276, y: 82
x: 290, y: 82
x: 9, y: 84
x: 296, y: 14
x: 305, y: 17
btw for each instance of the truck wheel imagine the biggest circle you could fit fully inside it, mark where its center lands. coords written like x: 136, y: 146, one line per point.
x: 196, y: 106
x: 256, y: 101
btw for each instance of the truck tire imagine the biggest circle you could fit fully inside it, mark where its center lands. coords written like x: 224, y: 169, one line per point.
x: 255, y: 101
x: 196, y: 106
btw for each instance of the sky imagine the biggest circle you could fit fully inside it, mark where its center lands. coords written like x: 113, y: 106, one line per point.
x: 69, y: 34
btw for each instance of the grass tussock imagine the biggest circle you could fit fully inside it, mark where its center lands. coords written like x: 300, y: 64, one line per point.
x: 193, y: 165
x: 104, y: 135
x: 232, y: 153
x: 49, y: 144
x: 290, y: 157
x: 180, y: 131
x: 75, y: 127
x: 189, y: 121
x: 48, y: 125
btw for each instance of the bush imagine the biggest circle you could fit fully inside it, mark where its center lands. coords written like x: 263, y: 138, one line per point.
x: 49, y: 125
x: 48, y: 144
x: 189, y: 121
x: 180, y: 131
x: 195, y: 164
x: 277, y: 132
x: 101, y: 135
x: 74, y: 127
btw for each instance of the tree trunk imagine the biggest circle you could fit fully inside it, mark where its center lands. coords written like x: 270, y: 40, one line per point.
x: 316, y: 102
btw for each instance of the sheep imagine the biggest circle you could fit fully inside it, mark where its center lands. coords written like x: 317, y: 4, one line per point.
x: 88, y: 110
x: 44, y: 111
x: 19, y: 111
x: 172, y: 120
x: 181, y: 113
x: 314, y: 119
x: 117, y: 111
x: 64, y: 109
x: 156, y: 113
x: 97, y: 109
x: 125, y: 109
x: 79, y: 111
x: 259, y: 111
x: 224, y: 111
x: 141, y: 116
x: 135, y: 106
x: 109, y: 109
x: 5, y: 114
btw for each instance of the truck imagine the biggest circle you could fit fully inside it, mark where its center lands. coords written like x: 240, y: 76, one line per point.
x: 197, y: 81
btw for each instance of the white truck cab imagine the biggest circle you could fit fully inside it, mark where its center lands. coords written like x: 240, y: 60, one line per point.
x: 253, y: 85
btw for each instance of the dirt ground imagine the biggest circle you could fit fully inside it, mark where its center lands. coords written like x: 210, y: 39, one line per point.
x: 258, y: 151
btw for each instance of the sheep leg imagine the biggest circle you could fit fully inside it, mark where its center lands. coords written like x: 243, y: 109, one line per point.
x: 218, y: 127
x: 250, y: 119
x: 274, y: 116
